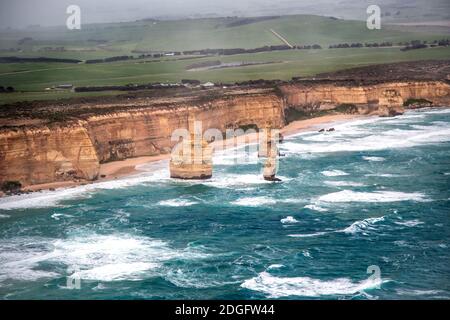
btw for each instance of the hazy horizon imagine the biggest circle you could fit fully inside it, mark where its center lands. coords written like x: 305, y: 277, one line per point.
x: 26, y: 13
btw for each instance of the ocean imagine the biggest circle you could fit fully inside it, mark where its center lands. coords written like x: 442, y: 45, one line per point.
x: 361, y: 213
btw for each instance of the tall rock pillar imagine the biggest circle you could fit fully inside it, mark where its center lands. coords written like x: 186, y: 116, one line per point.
x: 192, y: 157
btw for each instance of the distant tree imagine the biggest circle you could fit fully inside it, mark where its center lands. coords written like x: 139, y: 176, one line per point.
x: 9, y: 89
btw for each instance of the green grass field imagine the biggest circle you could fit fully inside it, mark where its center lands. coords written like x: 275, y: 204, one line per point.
x: 121, y: 38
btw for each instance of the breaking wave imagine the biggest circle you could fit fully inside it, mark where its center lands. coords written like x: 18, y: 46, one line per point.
x: 288, y: 219
x: 254, y: 201
x: 376, y: 196
x: 334, y: 173
x: 97, y: 257
x: 315, y: 208
x: 277, y: 287
x: 344, y: 184
x: 45, y: 199
x: 362, y: 226
x: 176, y: 203
x: 357, y: 136
x: 409, y: 223
x: 376, y: 159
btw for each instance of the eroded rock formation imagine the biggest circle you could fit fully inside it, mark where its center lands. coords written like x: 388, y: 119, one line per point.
x: 191, y: 158
x: 368, y: 99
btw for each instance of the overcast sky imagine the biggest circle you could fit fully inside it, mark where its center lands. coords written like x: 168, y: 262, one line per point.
x: 22, y: 13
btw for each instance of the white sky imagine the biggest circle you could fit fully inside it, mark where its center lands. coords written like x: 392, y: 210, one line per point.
x: 22, y: 13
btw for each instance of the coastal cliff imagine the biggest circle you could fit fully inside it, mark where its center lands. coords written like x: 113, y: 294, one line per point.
x: 36, y: 148
x: 73, y: 150
x: 368, y: 99
x: 47, y: 154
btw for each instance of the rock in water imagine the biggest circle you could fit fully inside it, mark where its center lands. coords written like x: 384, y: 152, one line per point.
x: 192, y: 158
x: 271, y: 164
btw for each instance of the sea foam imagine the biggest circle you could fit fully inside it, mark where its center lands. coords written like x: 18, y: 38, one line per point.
x: 376, y: 196
x: 288, y: 219
x: 254, y: 201
x: 362, y: 226
x: 176, y: 203
x: 334, y: 173
x: 94, y: 257
x: 277, y: 287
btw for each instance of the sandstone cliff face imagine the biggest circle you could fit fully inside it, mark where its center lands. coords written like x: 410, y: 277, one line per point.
x: 148, y: 132
x: 43, y: 155
x: 320, y: 97
x: 38, y: 153
x: 75, y: 151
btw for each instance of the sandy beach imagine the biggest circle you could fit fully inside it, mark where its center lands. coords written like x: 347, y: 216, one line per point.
x: 123, y: 168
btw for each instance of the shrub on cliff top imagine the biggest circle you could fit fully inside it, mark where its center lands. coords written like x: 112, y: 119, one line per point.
x: 11, y: 186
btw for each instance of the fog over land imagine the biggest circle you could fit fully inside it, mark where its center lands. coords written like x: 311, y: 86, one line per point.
x: 26, y: 13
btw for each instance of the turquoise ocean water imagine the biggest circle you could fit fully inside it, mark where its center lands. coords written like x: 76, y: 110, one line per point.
x: 373, y: 194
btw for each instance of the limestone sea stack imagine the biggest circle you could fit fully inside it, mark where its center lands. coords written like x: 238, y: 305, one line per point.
x: 268, y: 147
x: 191, y: 158
x: 271, y: 164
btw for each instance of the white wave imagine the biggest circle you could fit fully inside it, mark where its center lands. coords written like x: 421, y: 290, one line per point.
x: 275, y: 266
x: 100, y: 286
x: 376, y: 196
x: 46, y: 199
x: 176, y: 203
x: 315, y: 207
x: 401, y: 243
x: 334, y: 173
x: 40, y: 199
x: 289, y: 219
x: 376, y: 159
x: 409, y: 223
x: 384, y: 175
x: 254, y: 201
x: 408, y: 292
x: 306, y: 253
x: 309, y: 235
x: 57, y: 216
x: 352, y: 136
x: 235, y: 180
x: 276, y: 287
x: 436, y: 111
x: 344, y: 184
x: 94, y: 257
x: 362, y: 226
x: 194, y: 279
x: 260, y: 201
x: 117, y: 271
x: 4, y: 216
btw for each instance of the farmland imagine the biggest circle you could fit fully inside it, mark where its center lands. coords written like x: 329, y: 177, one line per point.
x: 99, y: 41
